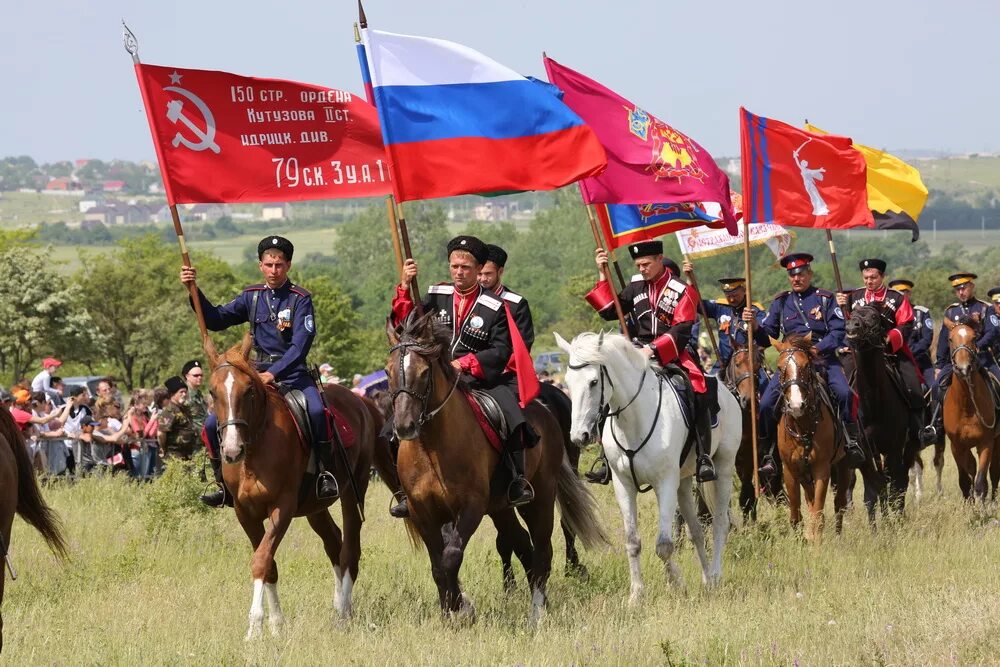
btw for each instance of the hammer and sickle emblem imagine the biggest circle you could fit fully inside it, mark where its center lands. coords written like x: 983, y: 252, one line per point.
x: 206, y: 137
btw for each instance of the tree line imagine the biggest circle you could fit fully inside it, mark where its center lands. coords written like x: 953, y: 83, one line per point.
x: 125, y: 314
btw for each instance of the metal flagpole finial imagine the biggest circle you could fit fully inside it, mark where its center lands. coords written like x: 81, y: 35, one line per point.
x: 131, y: 43
x: 362, y: 19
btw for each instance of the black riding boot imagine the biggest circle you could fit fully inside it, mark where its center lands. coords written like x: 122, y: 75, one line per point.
x: 703, y: 439
x: 326, y: 484
x: 401, y: 509
x: 929, y: 434
x: 768, y: 468
x: 855, y: 455
x: 519, y: 492
x: 221, y: 497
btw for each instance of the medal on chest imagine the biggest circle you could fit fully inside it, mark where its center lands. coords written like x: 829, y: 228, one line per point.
x: 284, y: 319
x: 816, y: 313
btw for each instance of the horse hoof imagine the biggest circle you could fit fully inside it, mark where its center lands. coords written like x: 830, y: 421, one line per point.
x: 577, y: 571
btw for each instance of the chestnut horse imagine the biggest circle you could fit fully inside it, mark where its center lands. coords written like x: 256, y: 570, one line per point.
x: 264, y: 464
x: 889, y: 423
x: 811, y: 457
x: 446, y: 463
x: 738, y: 379
x: 19, y: 493
x: 970, y: 420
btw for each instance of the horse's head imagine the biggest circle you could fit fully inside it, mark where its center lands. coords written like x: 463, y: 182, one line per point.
x: 962, y: 341
x: 798, y: 379
x: 419, y: 352
x: 738, y: 376
x: 864, y: 328
x: 239, y: 399
x: 593, y: 360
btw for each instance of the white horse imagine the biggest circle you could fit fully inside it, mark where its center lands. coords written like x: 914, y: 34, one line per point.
x: 606, y: 372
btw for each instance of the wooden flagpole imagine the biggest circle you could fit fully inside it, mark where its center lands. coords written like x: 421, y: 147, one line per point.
x: 750, y: 351
x: 702, y: 310
x: 132, y: 46
x: 606, y: 272
x: 404, y: 234
x: 394, y: 210
x: 607, y: 245
x: 833, y: 258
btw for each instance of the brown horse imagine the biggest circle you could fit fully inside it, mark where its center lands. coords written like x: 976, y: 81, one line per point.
x: 970, y: 420
x: 446, y: 463
x: 19, y: 493
x: 738, y: 379
x: 807, y: 438
x: 265, y: 469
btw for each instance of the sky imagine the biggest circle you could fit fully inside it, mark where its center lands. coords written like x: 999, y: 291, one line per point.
x: 896, y: 74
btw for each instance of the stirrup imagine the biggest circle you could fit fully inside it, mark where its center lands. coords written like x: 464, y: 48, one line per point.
x: 705, y: 469
x: 600, y: 476
x: 323, y: 478
x: 217, y: 498
x: 526, y: 496
x: 768, y: 470
x: 855, y: 455
x: 401, y: 509
x: 928, y: 436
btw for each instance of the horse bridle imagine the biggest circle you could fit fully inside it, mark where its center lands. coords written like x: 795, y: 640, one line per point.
x: 403, y: 348
x: 974, y: 353
x: 809, y: 398
x: 234, y: 422
x: 605, y: 412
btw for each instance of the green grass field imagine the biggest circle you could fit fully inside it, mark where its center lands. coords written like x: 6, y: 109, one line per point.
x: 153, y: 582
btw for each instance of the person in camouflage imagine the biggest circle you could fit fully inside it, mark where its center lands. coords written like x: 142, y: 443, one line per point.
x: 197, y: 406
x: 176, y: 434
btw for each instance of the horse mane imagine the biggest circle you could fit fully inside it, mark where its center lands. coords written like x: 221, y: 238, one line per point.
x: 969, y: 321
x: 803, y: 344
x: 432, y: 338
x: 594, y: 348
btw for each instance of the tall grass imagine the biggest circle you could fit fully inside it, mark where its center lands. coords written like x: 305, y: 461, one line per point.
x: 922, y: 591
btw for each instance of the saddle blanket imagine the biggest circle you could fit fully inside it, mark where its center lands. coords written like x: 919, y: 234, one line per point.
x: 295, y: 401
x: 488, y: 429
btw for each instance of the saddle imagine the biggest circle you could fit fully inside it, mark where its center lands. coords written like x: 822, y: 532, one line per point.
x: 296, y: 402
x: 489, y: 415
x: 677, y: 379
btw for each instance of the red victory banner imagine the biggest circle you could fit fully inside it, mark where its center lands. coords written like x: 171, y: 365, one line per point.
x: 222, y: 137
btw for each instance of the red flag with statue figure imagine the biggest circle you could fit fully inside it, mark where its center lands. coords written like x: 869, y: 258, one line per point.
x: 222, y: 137
x: 801, y: 179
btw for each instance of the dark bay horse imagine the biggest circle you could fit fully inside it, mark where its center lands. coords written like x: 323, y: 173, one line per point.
x: 561, y: 407
x: 890, y: 426
x: 811, y: 456
x: 445, y: 465
x: 19, y: 493
x: 970, y: 420
x: 264, y: 465
x: 738, y: 379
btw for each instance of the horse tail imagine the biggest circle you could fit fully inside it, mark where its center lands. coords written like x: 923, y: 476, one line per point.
x: 579, y: 508
x: 708, y: 495
x: 30, y: 504
x: 385, y: 467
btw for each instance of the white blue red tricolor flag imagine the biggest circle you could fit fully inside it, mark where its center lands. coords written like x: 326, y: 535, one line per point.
x: 456, y: 122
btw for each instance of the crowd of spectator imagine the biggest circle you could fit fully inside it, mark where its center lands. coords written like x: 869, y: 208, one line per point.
x: 73, y: 432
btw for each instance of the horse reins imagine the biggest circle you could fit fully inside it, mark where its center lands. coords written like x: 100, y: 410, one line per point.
x: 975, y: 356
x: 606, y: 412
x: 424, y: 398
